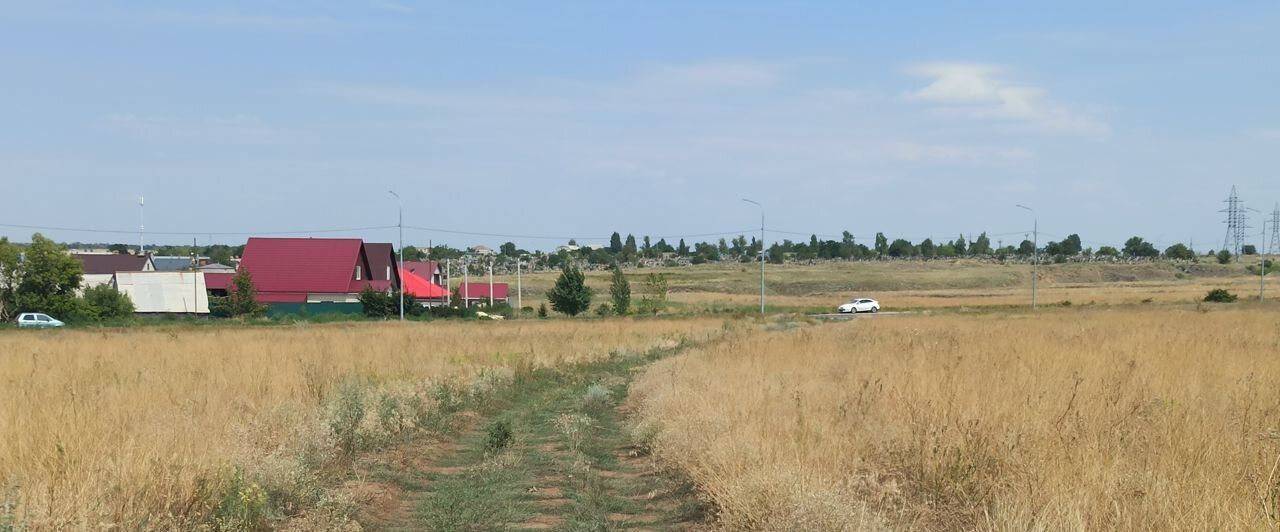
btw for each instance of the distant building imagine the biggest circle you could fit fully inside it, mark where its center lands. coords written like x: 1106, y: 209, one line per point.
x: 482, y: 249
x: 164, y: 292
x: 99, y: 268
x: 175, y: 263
x: 216, y: 268
x: 478, y: 293
x: 426, y: 292
x: 568, y: 248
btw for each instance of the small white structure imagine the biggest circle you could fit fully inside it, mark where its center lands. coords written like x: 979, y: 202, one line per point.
x: 164, y: 292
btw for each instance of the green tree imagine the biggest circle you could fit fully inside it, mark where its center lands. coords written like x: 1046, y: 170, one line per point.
x: 10, y: 271
x: 656, y: 299
x: 48, y: 279
x: 629, y: 247
x: 378, y: 304
x: 119, y: 249
x: 647, y: 249
x: 508, y: 249
x: 901, y: 248
x: 1071, y: 246
x: 570, y: 294
x: 242, y: 296
x: 927, y: 249
x: 105, y: 302
x: 981, y: 246
x: 1248, y: 249
x: 1179, y: 252
x: 1107, y: 251
x: 1027, y: 248
x: 615, y: 243
x: 1224, y: 257
x: 961, y: 245
x: 882, y: 244
x: 1136, y: 247
x: 682, y: 250
x: 620, y: 291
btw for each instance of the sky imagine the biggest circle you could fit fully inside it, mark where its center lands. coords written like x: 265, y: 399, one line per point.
x: 550, y: 120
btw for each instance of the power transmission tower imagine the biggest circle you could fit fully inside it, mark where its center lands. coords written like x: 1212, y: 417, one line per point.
x: 1237, y: 222
x: 1275, y: 226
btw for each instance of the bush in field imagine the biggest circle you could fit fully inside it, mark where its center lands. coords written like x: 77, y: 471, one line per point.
x: 498, y: 435
x: 620, y: 291
x: 105, y: 302
x: 1219, y: 295
x: 570, y: 294
x: 656, y: 301
x: 345, y: 417
x: 542, y: 310
x: 604, y: 309
x: 378, y: 304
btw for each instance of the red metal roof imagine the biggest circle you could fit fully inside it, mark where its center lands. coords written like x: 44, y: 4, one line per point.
x: 110, y: 263
x: 301, y: 265
x: 217, y: 281
x: 481, y: 290
x: 425, y: 269
x: 421, y: 288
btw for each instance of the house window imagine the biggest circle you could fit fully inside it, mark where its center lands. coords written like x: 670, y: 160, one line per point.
x: 357, y: 272
x: 388, y: 273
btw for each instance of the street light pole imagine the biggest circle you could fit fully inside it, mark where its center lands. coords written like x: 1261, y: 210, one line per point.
x: 1035, y: 252
x: 400, y: 266
x: 519, y: 287
x: 757, y: 204
x: 1262, y: 252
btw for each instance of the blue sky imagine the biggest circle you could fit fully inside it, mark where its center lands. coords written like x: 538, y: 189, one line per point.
x: 581, y: 118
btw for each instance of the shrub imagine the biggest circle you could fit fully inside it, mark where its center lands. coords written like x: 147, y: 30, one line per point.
x: 498, y: 435
x: 1219, y: 295
x: 346, y: 415
x: 105, y: 303
x: 542, y: 310
x: 1224, y: 257
x: 596, y: 397
x: 604, y: 310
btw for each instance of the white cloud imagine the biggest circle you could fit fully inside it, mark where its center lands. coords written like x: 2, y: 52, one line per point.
x: 977, y: 91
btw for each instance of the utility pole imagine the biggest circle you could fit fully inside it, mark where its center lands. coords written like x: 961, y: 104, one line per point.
x: 142, y: 228
x: 1262, y: 257
x: 1035, y: 253
x: 400, y: 265
x: 195, y: 288
x: 762, y: 248
x: 466, y: 281
x: 448, y: 282
x: 519, y: 287
x: 490, y: 282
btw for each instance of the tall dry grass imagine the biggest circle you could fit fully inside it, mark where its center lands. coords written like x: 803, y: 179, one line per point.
x: 1067, y: 420
x: 153, y: 428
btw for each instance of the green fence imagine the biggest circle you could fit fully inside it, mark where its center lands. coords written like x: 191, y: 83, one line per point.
x: 310, y: 309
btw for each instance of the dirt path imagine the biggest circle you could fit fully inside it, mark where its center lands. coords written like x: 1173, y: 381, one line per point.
x: 550, y: 452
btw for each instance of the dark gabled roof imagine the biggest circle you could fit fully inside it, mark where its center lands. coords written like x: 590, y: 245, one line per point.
x: 426, y: 269
x: 381, y: 260
x: 171, y: 264
x: 302, y: 265
x: 97, y: 264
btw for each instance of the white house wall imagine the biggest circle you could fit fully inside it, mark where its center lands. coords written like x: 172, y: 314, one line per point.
x: 165, y: 292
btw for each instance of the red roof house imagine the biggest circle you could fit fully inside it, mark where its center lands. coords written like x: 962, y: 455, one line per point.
x: 421, y: 288
x: 479, y: 292
x: 429, y: 270
x: 317, y: 270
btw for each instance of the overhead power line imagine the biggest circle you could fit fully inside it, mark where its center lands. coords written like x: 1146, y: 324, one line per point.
x: 197, y: 233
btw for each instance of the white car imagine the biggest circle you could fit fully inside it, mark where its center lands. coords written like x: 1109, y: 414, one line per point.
x: 36, y: 319
x: 860, y: 305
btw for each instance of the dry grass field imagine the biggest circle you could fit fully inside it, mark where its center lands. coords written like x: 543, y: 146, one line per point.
x: 915, y: 285
x: 1073, y: 419
x: 164, y: 429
